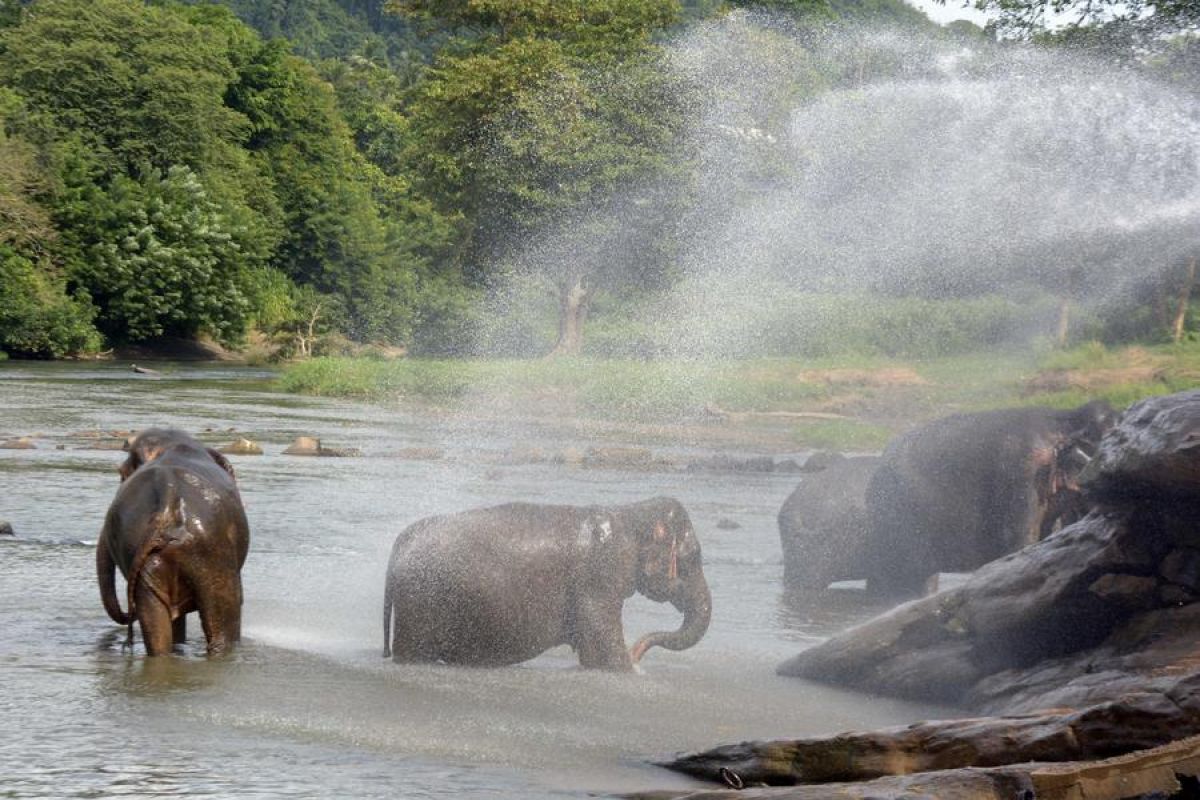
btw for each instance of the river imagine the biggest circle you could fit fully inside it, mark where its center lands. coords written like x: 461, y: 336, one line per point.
x: 307, y: 707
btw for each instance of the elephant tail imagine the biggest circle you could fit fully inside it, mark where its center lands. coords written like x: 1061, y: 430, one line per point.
x: 387, y: 617
x: 167, y: 519
x: 106, y: 570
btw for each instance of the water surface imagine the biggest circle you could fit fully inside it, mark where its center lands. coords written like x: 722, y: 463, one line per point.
x: 307, y: 707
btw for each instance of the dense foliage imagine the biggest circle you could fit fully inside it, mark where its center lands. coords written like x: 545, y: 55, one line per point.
x: 304, y: 173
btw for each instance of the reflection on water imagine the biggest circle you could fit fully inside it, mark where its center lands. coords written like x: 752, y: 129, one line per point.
x: 307, y: 707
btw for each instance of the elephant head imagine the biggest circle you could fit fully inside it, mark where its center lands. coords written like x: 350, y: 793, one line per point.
x: 669, y: 570
x: 153, y: 442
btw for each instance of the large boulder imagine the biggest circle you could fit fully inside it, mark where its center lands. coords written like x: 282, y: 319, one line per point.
x: 1081, y: 646
x: 6, y: 528
x: 823, y: 524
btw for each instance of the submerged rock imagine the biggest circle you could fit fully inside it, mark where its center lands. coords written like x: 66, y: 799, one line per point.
x: 6, y: 528
x: 727, y: 524
x: 20, y: 443
x: 618, y: 457
x: 419, y: 453
x: 311, y: 446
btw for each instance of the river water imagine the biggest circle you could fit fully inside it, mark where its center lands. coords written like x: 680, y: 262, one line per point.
x: 307, y: 707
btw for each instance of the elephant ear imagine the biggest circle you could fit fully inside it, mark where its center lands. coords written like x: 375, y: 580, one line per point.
x: 600, y: 540
x: 222, y: 461
x: 129, y: 465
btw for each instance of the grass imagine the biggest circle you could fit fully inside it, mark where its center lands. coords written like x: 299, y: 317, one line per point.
x: 866, y: 391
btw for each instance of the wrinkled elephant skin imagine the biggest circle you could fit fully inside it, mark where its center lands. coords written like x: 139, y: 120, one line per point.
x: 178, y: 533
x: 500, y: 585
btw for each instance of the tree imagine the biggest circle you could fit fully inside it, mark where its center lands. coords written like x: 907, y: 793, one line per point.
x: 160, y: 259
x: 543, y: 112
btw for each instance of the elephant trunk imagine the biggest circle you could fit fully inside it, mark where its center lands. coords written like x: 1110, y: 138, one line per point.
x: 696, y: 605
x: 106, y: 573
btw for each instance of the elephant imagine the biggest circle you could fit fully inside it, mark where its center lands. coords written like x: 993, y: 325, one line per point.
x: 178, y: 531
x: 823, y: 524
x: 500, y: 585
x: 958, y: 492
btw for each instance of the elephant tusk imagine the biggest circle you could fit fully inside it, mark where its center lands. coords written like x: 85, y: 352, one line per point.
x: 673, y: 566
x: 639, y: 650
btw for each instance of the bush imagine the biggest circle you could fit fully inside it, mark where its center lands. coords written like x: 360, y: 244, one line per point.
x: 37, y: 318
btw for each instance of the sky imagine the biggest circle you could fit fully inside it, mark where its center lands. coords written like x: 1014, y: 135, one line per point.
x: 949, y: 11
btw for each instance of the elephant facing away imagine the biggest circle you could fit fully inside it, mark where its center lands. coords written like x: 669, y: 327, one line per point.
x: 178, y: 532
x: 958, y: 492
x: 500, y: 585
x: 823, y: 525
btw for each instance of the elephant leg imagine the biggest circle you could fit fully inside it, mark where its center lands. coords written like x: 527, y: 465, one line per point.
x: 154, y: 618
x: 179, y: 629
x: 600, y: 637
x: 220, y: 607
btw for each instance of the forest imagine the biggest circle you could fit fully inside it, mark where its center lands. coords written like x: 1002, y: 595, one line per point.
x: 439, y: 176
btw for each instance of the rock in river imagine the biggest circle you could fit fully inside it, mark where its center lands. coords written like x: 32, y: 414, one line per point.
x: 1082, y: 646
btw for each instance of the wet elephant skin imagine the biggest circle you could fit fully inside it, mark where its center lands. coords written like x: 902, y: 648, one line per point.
x: 501, y: 585
x: 178, y: 532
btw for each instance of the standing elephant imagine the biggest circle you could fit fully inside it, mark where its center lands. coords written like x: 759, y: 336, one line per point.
x: 961, y: 491
x: 500, y: 585
x: 823, y: 524
x: 178, y: 532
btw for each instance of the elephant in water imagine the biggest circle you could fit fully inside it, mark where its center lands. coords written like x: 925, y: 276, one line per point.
x: 500, y: 585
x: 823, y: 524
x: 178, y: 532
x: 961, y: 491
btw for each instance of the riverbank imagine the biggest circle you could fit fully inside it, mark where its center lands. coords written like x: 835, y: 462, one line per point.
x: 847, y: 403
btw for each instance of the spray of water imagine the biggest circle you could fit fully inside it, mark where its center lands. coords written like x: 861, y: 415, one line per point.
x: 835, y: 173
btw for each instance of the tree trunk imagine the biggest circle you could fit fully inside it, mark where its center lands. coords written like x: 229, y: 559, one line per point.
x: 1064, y: 321
x: 1185, y: 299
x: 574, y: 297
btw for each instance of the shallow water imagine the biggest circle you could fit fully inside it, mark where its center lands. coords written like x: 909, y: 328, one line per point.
x: 307, y: 707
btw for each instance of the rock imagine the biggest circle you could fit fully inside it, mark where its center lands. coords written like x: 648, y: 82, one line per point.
x: 60, y: 447
x: 727, y: 524
x: 20, y: 443
x: 304, y: 446
x: 618, y: 457
x: 242, y: 447
x: 419, y: 453
x: 1002, y: 772
x: 788, y: 466
x: 6, y: 528
x: 1153, y: 450
x: 571, y: 456
x: 310, y: 446
x: 524, y: 455
x: 1081, y: 646
x: 105, y: 444
x: 1182, y: 567
x: 822, y: 460
x: 726, y: 463
x: 340, y: 452
x: 823, y: 524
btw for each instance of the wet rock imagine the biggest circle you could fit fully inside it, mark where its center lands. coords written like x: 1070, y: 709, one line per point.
x: 1182, y: 567
x: 6, y: 528
x: 727, y: 463
x: 419, y: 453
x: 571, y: 456
x: 524, y: 455
x: 20, y: 443
x: 242, y: 447
x: 1060, y: 755
x: 823, y: 524
x: 304, y: 446
x: 311, y: 446
x: 618, y: 457
x: 822, y: 460
x: 1087, y: 623
x: 727, y: 524
x: 105, y: 444
x: 60, y: 447
x: 1154, y: 449
x: 1130, y: 590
